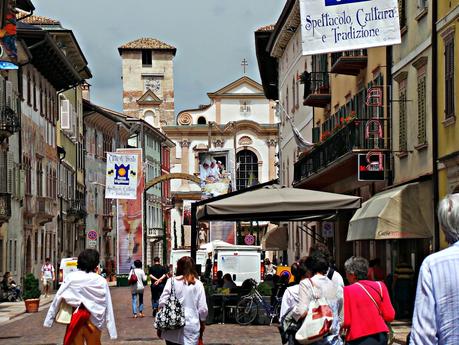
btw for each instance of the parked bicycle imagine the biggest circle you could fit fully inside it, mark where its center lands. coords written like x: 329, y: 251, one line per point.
x: 248, y: 307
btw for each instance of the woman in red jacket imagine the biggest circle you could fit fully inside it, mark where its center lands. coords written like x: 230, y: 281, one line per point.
x: 367, y: 306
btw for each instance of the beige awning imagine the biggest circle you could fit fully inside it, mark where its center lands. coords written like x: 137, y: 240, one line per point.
x: 276, y: 238
x: 400, y: 213
x: 277, y: 203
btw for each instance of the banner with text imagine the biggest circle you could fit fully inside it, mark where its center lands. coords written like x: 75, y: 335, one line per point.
x: 129, y: 219
x: 338, y: 25
x: 121, y: 176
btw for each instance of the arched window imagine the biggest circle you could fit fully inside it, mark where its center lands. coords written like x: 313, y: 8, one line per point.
x: 246, y: 169
x: 150, y: 118
x: 202, y: 120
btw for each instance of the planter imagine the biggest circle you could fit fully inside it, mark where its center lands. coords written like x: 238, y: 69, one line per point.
x: 32, y: 305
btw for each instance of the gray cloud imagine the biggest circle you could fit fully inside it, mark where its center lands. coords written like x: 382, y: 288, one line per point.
x: 211, y: 36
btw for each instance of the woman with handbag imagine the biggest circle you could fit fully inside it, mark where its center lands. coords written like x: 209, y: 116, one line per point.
x: 137, y: 280
x: 367, y: 306
x: 88, y: 294
x: 182, y: 311
x: 320, y: 305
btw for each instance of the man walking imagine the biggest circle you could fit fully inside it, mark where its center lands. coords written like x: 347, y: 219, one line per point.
x: 158, y: 277
x: 48, y: 276
x: 435, y: 319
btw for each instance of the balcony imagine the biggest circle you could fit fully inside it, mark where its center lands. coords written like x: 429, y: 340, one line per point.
x: 155, y: 232
x: 76, y: 211
x: 45, y: 210
x: 5, y: 207
x: 350, y: 62
x: 317, y: 89
x: 108, y: 222
x: 9, y: 122
x: 339, y: 151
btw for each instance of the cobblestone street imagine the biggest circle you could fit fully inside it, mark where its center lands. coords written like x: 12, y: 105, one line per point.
x: 28, y: 330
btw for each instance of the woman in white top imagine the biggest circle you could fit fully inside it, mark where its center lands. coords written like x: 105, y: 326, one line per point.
x: 190, y: 292
x: 137, y: 288
x: 317, y: 265
x: 89, y: 292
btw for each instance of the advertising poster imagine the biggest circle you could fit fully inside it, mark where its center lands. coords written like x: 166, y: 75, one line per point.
x: 338, y: 25
x: 223, y: 231
x: 130, y: 220
x: 215, y: 174
x: 8, y: 49
x: 121, y: 176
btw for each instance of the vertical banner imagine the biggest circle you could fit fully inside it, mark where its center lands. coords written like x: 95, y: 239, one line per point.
x: 121, y: 176
x: 214, y: 173
x: 8, y: 49
x: 130, y: 221
x: 339, y: 25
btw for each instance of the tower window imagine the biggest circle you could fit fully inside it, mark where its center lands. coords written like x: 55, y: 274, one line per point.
x: 201, y: 120
x: 146, y: 57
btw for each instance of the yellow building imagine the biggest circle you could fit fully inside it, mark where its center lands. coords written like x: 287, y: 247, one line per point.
x: 447, y: 31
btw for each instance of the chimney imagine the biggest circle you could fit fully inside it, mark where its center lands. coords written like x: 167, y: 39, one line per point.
x: 85, y: 87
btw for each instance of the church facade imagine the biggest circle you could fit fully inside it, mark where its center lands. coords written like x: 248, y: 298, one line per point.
x: 235, y: 136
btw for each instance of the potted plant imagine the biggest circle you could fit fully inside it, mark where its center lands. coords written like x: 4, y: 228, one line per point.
x: 31, y: 293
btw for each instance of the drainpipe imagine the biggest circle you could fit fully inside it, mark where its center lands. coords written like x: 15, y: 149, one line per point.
x: 390, y: 173
x: 436, y: 239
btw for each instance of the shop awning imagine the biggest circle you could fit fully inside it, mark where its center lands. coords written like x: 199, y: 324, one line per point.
x: 277, y: 203
x: 276, y: 238
x: 404, y: 212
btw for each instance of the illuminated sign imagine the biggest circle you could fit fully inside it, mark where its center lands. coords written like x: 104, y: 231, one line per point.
x: 371, y: 166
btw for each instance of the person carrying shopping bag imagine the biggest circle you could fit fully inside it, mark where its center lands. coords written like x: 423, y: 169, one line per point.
x: 137, y: 280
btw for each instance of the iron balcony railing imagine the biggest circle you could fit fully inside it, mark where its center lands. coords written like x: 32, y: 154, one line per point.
x: 348, y: 53
x: 344, y: 139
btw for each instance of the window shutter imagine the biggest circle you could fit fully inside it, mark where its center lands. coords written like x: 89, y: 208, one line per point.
x: 402, y: 121
x: 422, y: 109
x: 21, y: 184
x: 9, y: 94
x: 65, y: 114
x: 10, y: 173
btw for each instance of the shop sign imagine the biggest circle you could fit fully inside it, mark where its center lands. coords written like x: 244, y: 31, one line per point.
x: 371, y: 166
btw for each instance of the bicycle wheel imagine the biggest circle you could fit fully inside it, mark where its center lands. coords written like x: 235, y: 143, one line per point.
x: 246, y: 310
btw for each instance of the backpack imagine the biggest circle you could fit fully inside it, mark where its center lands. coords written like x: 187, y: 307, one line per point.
x: 172, y: 315
x: 318, y: 321
x: 133, y: 278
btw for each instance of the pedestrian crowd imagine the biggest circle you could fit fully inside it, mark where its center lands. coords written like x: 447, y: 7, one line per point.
x: 317, y: 307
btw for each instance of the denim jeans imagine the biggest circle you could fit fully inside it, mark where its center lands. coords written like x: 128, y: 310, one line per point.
x: 134, y: 302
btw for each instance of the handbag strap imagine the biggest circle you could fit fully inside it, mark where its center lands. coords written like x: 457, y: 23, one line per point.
x: 314, y: 295
x: 371, y: 297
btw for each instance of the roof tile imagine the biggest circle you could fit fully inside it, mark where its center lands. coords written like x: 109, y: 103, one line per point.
x: 39, y: 20
x: 146, y: 43
x: 266, y: 28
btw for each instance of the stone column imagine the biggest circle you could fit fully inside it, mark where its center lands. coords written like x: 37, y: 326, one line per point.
x: 272, y: 143
x: 185, y: 145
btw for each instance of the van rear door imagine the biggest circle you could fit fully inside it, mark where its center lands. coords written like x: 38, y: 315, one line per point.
x: 241, y: 265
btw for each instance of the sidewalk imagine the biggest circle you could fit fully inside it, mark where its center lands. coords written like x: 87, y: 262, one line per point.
x: 401, y: 330
x: 16, y: 310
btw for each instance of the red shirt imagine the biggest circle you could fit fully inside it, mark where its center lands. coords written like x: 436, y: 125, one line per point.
x: 361, y: 316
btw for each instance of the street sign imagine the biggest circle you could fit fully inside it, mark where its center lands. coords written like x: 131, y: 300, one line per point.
x: 249, y: 240
x: 92, y: 244
x: 92, y: 235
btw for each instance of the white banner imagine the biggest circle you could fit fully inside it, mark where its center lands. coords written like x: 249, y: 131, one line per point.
x: 121, y: 176
x: 337, y: 25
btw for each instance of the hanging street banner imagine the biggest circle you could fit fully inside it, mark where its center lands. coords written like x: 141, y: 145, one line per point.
x: 129, y: 218
x: 121, y: 176
x: 338, y: 25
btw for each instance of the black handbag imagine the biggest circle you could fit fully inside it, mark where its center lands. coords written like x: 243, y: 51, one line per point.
x: 172, y: 315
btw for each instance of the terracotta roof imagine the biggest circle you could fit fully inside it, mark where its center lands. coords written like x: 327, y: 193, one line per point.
x: 147, y: 43
x: 266, y: 28
x: 39, y: 20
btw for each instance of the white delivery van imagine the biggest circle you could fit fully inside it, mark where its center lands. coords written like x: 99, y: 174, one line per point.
x: 242, y: 262
x: 67, y: 266
x: 177, y: 254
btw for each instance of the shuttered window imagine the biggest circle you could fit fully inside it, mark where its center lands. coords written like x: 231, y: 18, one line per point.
x: 449, y: 77
x: 402, y: 120
x: 422, y: 139
x: 402, y: 13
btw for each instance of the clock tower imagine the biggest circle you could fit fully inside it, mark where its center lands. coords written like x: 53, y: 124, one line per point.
x: 148, y: 81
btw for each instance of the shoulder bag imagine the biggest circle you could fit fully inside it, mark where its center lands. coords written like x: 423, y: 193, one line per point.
x: 390, y: 335
x: 172, y: 315
x: 318, y: 321
x: 133, y: 278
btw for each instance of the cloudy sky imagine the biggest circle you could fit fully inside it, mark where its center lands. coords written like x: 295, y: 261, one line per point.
x: 212, y: 37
